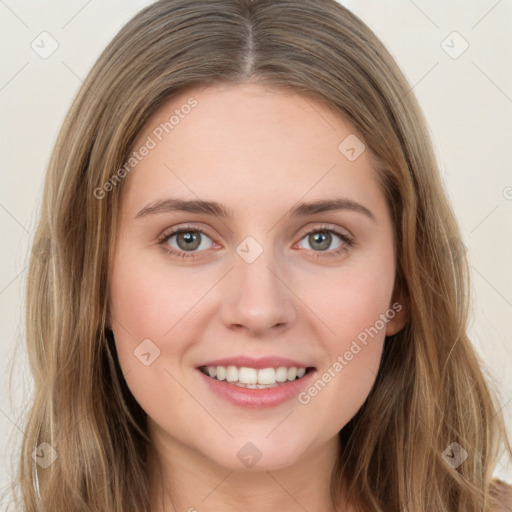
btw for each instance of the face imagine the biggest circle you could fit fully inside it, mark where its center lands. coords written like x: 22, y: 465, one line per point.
x: 289, y: 304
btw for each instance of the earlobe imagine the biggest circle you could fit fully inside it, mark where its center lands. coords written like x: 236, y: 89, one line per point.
x: 394, y: 326
x: 401, y: 308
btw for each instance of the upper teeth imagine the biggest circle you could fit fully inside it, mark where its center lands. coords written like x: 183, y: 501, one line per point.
x: 246, y: 375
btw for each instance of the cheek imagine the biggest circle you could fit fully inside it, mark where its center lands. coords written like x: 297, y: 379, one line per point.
x: 352, y: 353
x: 152, y: 301
x: 148, y: 310
x: 149, y: 299
x: 350, y: 302
x: 352, y: 306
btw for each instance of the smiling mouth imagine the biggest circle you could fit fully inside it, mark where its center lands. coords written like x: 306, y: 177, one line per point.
x: 253, y: 378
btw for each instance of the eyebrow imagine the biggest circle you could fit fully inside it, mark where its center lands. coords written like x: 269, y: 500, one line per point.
x: 218, y: 210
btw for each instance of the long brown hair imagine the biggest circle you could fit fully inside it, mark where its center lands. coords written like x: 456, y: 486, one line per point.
x: 430, y: 391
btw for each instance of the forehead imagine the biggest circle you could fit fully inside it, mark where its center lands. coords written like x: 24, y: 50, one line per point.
x: 247, y: 146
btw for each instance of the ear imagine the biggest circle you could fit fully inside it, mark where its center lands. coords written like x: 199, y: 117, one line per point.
x: 400, y: 305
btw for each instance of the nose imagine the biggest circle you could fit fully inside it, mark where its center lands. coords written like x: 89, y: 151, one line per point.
x: 256, y: 297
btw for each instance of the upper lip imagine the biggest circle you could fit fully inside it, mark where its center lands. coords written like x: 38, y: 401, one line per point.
x: 261, y: 362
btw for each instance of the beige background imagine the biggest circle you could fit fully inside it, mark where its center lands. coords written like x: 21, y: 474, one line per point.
x: 467, y: 101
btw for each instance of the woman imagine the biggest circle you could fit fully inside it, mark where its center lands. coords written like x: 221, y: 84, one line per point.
x: 192, y: 348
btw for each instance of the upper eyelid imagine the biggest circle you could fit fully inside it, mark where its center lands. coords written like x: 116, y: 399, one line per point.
x: 325, y: 226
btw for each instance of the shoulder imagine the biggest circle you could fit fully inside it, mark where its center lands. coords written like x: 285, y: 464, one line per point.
x: 503, y: 493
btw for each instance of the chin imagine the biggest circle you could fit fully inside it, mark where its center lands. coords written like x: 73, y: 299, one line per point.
x: 256, y: 455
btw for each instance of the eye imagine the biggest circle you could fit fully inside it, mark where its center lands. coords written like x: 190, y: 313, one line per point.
x: 187, y: 240
x: 320, y: 239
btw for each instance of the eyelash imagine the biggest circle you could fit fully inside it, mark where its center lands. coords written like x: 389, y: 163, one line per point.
x: 348, y: 241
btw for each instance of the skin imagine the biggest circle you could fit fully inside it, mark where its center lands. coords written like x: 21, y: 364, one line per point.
x: 258, y: 151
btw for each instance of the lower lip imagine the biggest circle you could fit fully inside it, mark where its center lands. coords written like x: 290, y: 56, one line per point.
x: 269, y: 397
